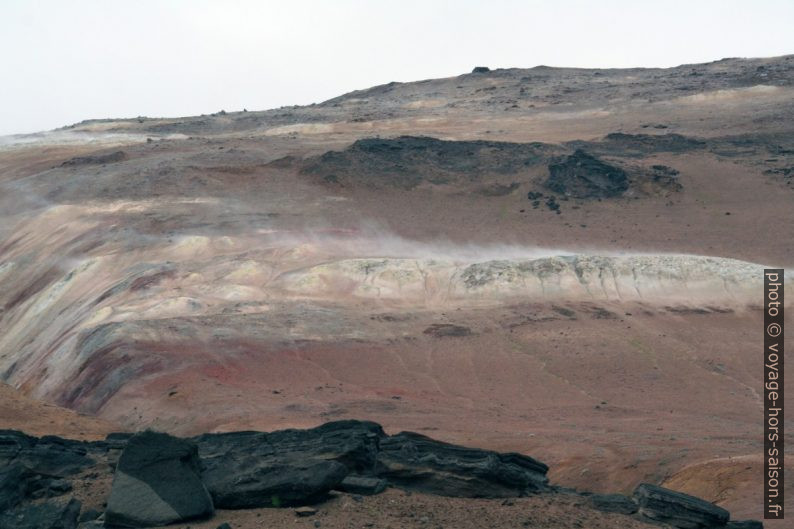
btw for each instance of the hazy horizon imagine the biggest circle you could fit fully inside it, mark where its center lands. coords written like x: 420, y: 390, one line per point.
x: 97, y: 60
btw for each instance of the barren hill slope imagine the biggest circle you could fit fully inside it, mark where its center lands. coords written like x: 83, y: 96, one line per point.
x: 561, y: 262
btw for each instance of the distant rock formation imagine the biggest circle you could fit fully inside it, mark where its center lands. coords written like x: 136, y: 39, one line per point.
x: 113, y: 157
x: 408, y: 161
x: 582, y: 175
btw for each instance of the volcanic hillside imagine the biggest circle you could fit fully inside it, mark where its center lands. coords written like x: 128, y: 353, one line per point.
x: 560, y: 262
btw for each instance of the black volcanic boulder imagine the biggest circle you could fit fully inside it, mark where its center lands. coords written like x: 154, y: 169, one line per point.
x: 287, y: 467
x: 582, y: 175
x: 157, y: 483
x: 50, y: 515
x: 415, y: 462
x: 678, y: 509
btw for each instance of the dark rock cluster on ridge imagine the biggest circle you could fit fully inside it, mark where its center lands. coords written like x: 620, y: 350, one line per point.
x: 582, y: 175
x: 408, y: 161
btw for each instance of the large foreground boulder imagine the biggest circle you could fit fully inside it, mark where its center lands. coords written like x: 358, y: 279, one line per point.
x: 288, y: 467
x: 50, y: 515
x: 415, y: 462
x: 157, y: 483
x: 678, y: 509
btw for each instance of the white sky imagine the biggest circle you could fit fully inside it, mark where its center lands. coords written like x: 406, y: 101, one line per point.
x: 65, y: 61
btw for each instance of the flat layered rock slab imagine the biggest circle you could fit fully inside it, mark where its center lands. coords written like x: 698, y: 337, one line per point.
x: 287, y: 467
x: 678, y: 509
x: 415, y: 462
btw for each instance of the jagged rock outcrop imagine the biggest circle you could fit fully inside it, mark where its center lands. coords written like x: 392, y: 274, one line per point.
x: 49, y: 455
x: 416, y: 462
x: 157, y: 482
x: 160, y: 479
x: 256, y: 469
x: 678, y: 509
x: 34, y: 468
x: 582, y: 175
x: 408, y: 161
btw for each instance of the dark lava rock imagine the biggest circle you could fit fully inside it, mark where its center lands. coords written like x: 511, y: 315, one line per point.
x: 256, y: 469
x: 89, y: 515
x: 643, y: 144
x: 13, y: 480
x: 552, y: 204
x: 665, y: 177
x: 745, y: 524
x: 44, y: 487
x: 54, y: 456
x: 276, y: 485
x: 113, y: 157
x: 407, y: 161
x: 362, y: 485
x: 224, y: 525
x: 442, y: 330
x: 481, y: 69
x: 678, y: 509
x: 582, y: 175
x: 50, y: 515
x: 157, y: 483
x: 415, y: 462
x: 613, y: 503
x: 47, y: 457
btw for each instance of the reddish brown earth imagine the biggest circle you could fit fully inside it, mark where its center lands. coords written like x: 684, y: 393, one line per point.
x: 208, y: 281
x: 18, y: 412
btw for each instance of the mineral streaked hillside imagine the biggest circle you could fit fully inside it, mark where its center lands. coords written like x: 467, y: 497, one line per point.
x: 211, y: 278
x: 653, y: 279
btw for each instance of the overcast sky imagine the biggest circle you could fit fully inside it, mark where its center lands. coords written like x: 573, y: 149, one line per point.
x: 65, y: 61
